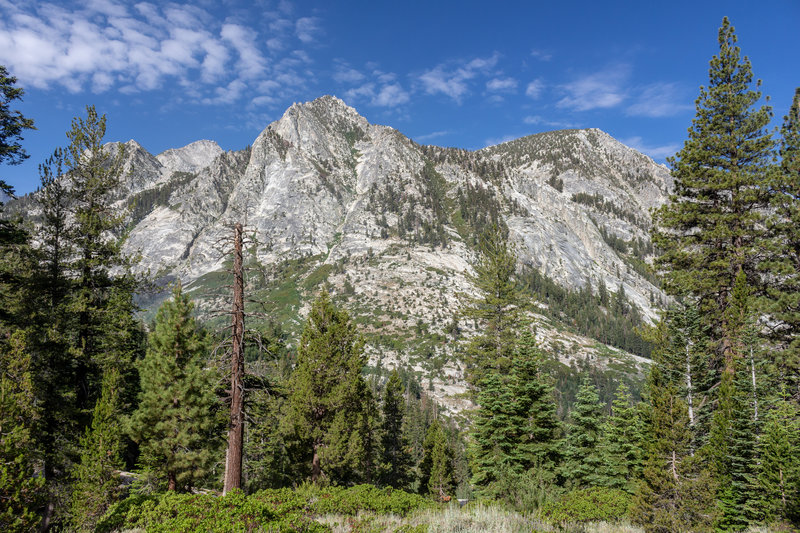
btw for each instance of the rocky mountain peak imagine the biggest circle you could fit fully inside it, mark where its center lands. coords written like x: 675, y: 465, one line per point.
x: 191, y: 158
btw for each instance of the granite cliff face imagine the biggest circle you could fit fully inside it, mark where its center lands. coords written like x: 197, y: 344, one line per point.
x: 390, y: 226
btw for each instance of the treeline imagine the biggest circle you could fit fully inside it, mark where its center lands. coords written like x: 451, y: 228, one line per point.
x: 602, y: 315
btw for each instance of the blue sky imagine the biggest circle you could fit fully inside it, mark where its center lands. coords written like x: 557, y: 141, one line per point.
x: 466, y: 74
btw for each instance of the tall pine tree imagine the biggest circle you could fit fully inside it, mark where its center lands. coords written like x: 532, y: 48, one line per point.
x: 497, y: 308
x: 396, y: 460
x: 96, y: 476
x: 712, y: 227
x: 583, y: 460
x: 783, y: 265
x: 326, y: 416
x: 174, y: 423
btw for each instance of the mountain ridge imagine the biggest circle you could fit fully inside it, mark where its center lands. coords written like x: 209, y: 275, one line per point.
x: 390, y: 226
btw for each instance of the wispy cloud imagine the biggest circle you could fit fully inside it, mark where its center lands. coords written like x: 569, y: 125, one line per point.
x: 386, y: 95
x: 453, y: 80
x: 538, y: 120
x: 600, y: 90
x: 105, y: 45
x: 344, y: 73
x: 502, y: 85
x: 541, y: 55
x: 307, y: 29
x: 431, y: 136
x: 659, y: 153
x: 659, y: 100
x: 534, y: 89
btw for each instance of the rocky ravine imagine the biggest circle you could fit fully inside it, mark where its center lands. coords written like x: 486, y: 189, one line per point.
x: 389, y: 225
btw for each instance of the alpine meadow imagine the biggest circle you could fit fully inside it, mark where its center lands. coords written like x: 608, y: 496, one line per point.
x: 337, y: 328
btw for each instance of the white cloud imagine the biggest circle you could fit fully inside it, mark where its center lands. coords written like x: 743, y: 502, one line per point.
x: 105, y: 45
x: 306, y: 29
x: 430, y: 136
x: 538, y: 120
x: 502, y: 85
x: 541, y: 55
x: 600, y: 90
x: 454, y: 82
x: 656, y: 152
x: 658, y: 100
x: 380, y: 95
x: 534, y: 89
x: 391, y: 96
x: 344, y: 73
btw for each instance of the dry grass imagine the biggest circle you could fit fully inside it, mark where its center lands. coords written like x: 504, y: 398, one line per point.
x: 471, y: 519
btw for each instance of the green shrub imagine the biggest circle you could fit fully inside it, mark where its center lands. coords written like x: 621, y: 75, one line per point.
x: 588, y: 505
x: 349, y: 501
x: 200, y: 512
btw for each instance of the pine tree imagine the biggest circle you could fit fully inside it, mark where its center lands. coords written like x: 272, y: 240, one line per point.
x: 396, y: 460
x: 713, y: 225
x: 733, y: 434
x: 326, y: 399
x: 437, y: 465
x: 12, y: 124
x: 498, y: 308
x: 96, y: 478
x: 174, y: 422
x: 535, y: 403
x: 515, y: 429
x: 497, y: 434
x: 621, y: 445
x: 582, y: 456
x: 779, y: 473
x: 677, y: 491
x: 22, y: 492
x: 783, y: 264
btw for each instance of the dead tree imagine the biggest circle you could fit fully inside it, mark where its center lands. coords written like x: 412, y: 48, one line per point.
x: 233, y: 458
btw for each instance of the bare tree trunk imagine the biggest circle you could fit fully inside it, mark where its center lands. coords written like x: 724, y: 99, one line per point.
x: 689, y: 383
x: 233, y: 458
x: 753, y: 376
x: 172, y: 484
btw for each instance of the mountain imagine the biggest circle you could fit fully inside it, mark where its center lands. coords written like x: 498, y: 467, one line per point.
x: 391, y: 227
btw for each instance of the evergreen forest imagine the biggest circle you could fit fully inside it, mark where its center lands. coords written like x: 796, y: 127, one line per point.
x: 111, y: 423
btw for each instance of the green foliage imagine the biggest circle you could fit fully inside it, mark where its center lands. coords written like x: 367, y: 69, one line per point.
x: 174, y: 423
x: 436, y: 468
x: 22, y: 492
x: 621, y: 444
x: 779, y: 473
x: 266, y: 510
x: 396, y: 467
x: 12, y: 123
x: 592, y: 314
x: 352, y: 500
x: 515, y: 431
x: 783, y: 264
x: 198, y: 512
x: 498, y: 308
x: 96, y: 479
x: 583, y: 460
x: 713, y: 226
x: 331, y: 410
x: 588, y: 505
x: 677, y: 491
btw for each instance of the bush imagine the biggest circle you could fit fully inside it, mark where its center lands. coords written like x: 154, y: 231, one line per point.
x: 281, y: 510
x: 349, y: 501
x: 588, y: 505
x: 200, y: 512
